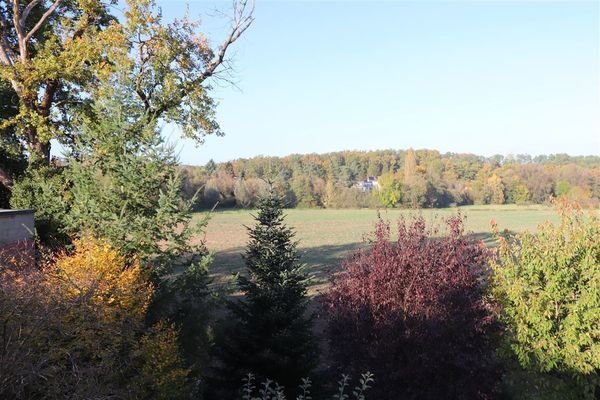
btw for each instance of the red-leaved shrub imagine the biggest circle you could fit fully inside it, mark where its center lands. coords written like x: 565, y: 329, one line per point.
x: 413, y: 312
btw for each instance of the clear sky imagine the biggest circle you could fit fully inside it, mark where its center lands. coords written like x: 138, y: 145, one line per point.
x: 482, y: 77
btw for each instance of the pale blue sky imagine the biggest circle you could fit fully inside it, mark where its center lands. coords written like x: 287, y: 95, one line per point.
x: 463, y: 76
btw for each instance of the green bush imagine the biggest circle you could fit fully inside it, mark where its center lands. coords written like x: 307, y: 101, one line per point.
x: 548, y: 285
x: 46, y: 190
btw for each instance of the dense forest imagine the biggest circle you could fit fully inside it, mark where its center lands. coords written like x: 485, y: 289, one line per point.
x: 406, y: 178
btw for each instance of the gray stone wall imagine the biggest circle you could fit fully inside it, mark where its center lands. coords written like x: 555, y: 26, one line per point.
x: 16, y: 226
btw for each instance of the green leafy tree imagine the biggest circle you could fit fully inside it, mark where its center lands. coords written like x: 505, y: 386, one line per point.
x: 415, y: 192
x: 481, y: 190
x: 49, y: 50
x: 548, y: 284
x: 389, y: 191
x: 272, y: 334
x: 517, y: 192
x: 304, y: 192
x: 330, y: 196
x: 54, y: 53
x: 304, y: 195
x: 59, y: 57
x: 496, y: 188
x: 563, y: 188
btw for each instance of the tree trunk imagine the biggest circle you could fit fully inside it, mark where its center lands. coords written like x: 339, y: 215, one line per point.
x: 5, y: 179
x: 39, y: 151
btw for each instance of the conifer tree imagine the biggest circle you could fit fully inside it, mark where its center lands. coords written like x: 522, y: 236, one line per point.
x: 125, y: 188
x: 272, y: 335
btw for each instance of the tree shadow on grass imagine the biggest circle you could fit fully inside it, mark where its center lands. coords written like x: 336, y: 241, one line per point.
x: 486, y: 237
x: 227, y: 263
x: 320, y: 262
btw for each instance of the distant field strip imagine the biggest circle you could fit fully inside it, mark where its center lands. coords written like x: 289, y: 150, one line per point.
x: 327, y: 236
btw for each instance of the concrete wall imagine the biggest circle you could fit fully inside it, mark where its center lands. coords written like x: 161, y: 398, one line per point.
x: 16, y: 225
x: 16, y: 238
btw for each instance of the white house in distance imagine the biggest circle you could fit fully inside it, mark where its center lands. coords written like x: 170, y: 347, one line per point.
x: 368, y: 184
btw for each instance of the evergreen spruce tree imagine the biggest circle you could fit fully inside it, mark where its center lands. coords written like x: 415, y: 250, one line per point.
x: 125, y: 188
x: 271, y: 335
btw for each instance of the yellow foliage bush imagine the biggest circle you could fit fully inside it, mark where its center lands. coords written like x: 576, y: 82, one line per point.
x: 103, y: 301
x: 97, y: 275
x: 81, y: 327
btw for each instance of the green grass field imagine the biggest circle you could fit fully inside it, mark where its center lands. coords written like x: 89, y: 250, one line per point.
x: 327, y: 236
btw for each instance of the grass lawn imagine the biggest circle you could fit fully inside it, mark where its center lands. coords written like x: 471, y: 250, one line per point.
x: 327, y: 236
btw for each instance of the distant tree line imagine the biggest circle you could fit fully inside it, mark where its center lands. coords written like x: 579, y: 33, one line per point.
x: 407, y: 178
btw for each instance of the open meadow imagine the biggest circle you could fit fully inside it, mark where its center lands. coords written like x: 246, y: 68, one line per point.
x: 326, y: 236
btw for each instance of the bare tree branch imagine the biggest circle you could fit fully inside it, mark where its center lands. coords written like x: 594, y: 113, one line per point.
x: 5, y: 52
x: 19, y: 30
x: 43, y: 19
x: 243, y: 16
x: 27, y: 10
x: 16, y: 16
x: 7, y: 56
x: 8, y: 60
x: 5, y: 179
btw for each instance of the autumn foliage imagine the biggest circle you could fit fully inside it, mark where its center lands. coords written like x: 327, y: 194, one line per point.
x: 413, y: 312
x: 75, y: 328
